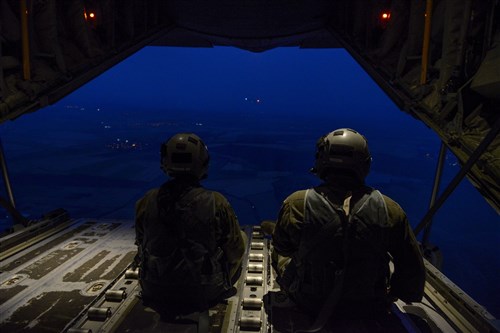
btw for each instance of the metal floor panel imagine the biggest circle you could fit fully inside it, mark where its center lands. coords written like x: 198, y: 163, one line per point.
x: 48, y: 284
x: 78, y: 280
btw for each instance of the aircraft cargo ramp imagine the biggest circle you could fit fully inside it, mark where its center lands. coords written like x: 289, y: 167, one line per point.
x: 63, y: 275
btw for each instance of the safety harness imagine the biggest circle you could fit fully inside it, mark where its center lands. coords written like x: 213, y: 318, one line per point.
x: 189, y: 255
x: 347, y: 226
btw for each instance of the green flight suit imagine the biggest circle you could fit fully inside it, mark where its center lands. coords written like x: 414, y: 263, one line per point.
x: 382, y: 230
x: 199, y: 215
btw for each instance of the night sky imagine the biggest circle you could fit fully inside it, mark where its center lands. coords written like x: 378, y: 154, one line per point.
x: 97, y: 150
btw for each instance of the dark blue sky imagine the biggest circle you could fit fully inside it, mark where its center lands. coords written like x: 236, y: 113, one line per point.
x: 285, y: 80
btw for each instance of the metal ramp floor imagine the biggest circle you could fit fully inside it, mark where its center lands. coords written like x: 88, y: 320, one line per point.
x: 74, y: 276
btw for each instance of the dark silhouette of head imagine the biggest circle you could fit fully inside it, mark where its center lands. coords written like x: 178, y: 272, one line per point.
x: 185, y: 155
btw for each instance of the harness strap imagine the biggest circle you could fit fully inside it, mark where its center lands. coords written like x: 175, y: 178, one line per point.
x: 334, y: 296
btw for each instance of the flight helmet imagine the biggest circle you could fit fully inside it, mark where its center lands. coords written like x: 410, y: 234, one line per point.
x: 343, y: 151
x: 185, y: 154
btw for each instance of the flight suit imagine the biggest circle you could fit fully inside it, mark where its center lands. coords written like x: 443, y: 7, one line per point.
x: 382, y: 233
x: 183, y: 211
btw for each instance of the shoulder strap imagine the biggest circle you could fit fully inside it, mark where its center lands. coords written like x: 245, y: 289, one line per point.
x: 334, y: 296
x: 178, y: 228
x: 324, y: 232
x: 175, y: 193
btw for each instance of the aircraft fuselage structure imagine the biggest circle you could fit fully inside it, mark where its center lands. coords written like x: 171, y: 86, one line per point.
x: 438, y: 61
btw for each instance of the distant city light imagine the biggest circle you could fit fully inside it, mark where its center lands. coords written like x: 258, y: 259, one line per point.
x: 125, y: 145
x: 253, y: 100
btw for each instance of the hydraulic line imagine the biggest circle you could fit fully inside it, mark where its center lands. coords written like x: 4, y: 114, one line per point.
x: 435, y: 189
x: 6, y: 179
x: 25, y: 40
x: 425, y: 46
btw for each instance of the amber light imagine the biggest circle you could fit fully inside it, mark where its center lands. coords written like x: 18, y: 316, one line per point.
x: 88, y: 16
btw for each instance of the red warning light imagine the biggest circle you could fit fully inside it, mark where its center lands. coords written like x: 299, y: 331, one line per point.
x: 91, y: 15
x: 385, y: 16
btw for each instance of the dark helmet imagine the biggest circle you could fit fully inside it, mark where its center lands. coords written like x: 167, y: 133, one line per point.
x: 344, y: 151
x: 185, y: 154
